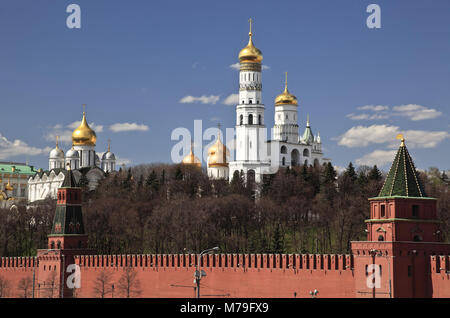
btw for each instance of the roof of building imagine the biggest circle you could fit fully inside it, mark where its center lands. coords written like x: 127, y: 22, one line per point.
x: 19, y: 168
x: 69, y: 180
x: 402, y: 179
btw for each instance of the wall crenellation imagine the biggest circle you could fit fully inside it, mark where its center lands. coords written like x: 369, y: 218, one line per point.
x: 269, y: 261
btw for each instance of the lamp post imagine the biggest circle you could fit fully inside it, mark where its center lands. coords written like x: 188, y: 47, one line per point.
x: 198, y: 275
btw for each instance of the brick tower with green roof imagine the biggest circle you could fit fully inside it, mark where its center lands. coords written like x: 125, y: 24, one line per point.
x: 402, y: 232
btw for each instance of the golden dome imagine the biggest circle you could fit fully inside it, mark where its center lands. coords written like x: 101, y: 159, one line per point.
x: 218, y: 154
x: 84, y: 135
x: 9, y: 187
x: 286, y: 98
x: 191, y: 159
x: 250, y: 54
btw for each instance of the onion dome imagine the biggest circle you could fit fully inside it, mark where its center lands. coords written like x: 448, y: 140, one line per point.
x: 57, y: 153
x: 218, y: 154
x: 191, y: 159
x: 9, y: 187
x: 72, y: 154
x: 250, y: 54
x: 108, y: 155
x: 84, y: 135
x: 286, y: 98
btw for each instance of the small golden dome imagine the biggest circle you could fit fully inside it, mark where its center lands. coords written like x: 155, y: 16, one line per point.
x: 9, y: 187
x: 84, y: 135
x: 250, y: 54
x: 218, y: 154
x: 191, y: 159
x: 286, y: 98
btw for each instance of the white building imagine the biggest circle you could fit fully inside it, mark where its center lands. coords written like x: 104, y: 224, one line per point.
x: 255, y: 155
x: 81, y: 158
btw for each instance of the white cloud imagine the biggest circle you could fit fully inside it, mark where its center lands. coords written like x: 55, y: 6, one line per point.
x: 362, y: 136
x: 374, y: 108
x: 231, y: 99
x: 236, y: 66
x: 377, y: 157
x: 366, y: 116
x: 411, y: 111
x: 122, y: 161
x: 212, y: 99
x: 119, y: 127
x: 416, y: 112
x: 18, y: 147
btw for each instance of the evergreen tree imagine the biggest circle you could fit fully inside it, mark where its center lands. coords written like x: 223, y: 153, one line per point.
x: 362, y: 178
x: 152, y: 181
x: 277, y: 245
x: 350, y: 172
x: 375, y: 174
x: 329, y: 174
x: 178, y: 174
x: 163, y: 177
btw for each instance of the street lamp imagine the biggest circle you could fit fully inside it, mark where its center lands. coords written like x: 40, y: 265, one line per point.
x: 199, y: 274
x: 375, y: 253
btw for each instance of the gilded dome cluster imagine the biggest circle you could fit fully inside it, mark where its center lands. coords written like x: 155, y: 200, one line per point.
x: 191, y: 159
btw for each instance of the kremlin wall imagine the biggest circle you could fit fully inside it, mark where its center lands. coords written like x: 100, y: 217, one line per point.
x: 403, y: 256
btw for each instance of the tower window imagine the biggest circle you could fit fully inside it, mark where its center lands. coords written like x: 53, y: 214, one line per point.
x: 259, y: 120
x: 381, y: 238
x: 383, y: 210
x: 415, y: 211
x: 250, y: 119
x: 241, y: 120
x: 249, y: 101
x: 409, y: 270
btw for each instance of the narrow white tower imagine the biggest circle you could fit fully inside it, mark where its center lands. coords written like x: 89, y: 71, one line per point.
x: 286, y: 126
x: 250, y: 129
x: 56, y: 157
x: 83, y: 141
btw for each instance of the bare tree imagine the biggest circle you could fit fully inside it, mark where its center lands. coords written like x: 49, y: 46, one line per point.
x: 103, y: 284
x: 4, y: 287
x: 25, y: 286
x: 50, y: 285
x: 129, y: 285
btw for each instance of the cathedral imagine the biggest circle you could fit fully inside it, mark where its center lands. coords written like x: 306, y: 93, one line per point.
x: 256, y: 156
x: 81, y: 159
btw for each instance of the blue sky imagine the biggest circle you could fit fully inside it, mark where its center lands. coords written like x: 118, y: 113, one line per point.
x: 132, y: 62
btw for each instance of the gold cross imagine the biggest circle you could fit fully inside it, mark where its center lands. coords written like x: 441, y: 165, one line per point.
x: 250, y: 21
x: 84, y: 108
x: 109, y: 144
x: 57, y: 137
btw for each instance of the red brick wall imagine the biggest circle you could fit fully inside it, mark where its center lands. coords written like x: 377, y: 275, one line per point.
x: 13, y: 270
x: 440, y: 276
x: 228, y: 275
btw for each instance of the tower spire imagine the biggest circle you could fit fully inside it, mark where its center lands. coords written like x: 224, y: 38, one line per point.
x: 57, y: 137
x: 109, y: 145
x: 250, y: 22
x: 307, y: 121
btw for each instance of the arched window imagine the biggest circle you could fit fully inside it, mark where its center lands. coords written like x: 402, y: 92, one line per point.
x: 295, y: 157
x: 259, y: 120
x: 52, y: 245
x: 380, y: 238
x: 283, y: 149
x: 250, y: 119
x: 306, y: 152
x: 417, y: 238
x: 241, y: 119
x: 58, y: 244
x: 249, y: 101
x: 283, y: 161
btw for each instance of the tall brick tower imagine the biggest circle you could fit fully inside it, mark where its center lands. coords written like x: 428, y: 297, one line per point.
x: 67, y: 239
x: 402, y: 232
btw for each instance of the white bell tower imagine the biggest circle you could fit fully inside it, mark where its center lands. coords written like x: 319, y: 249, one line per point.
x: 250, y: 128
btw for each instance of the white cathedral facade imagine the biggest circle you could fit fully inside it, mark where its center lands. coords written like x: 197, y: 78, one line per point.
x: 81, y: 158
x: 256, y: 156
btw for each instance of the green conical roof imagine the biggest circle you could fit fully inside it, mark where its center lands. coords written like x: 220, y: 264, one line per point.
x: 402, y: 179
